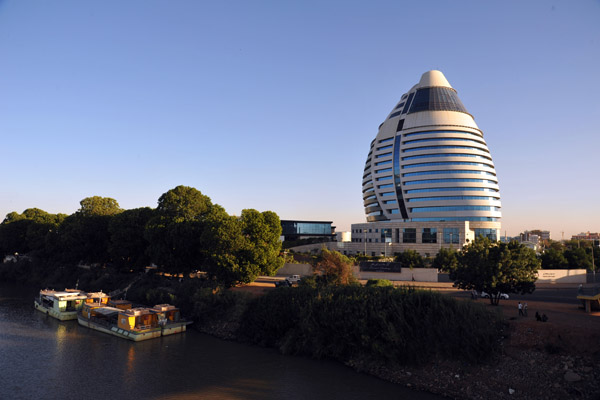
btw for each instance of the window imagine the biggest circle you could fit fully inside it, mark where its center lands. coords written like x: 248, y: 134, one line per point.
x: 429, y: 235
x: 383, y: 162
x: 449, y: 171
x: 389, y: 146
x: 444, y: 198
x: 409, y: 235
x: 488, y: 233
x: 379, y: 171
x: 394, y: 211
x: 452, y: 189
x: 390, y: 202
x: 371, y: 197
x: 400, y: 125
x: 433, y: 164
x: 448, y: 180
x: 437, y: 99
x: 386, y: 235
x: 385, y: 194
x: 434, y: 132
x: 442, y: 147
x: 395, y: 114
x: 436, y: 219
x: 386, y: 140
x: 384, y: 155
x: 389, y: 185
x: 454, y: 208
x: 410, y: 97
x: 451, y: 235
x: 446, y: 155
x: 442, y: 139
x: 384, y: 178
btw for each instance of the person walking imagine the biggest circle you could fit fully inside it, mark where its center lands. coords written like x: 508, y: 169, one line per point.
x: 520, y: 310
x: 525, y: 309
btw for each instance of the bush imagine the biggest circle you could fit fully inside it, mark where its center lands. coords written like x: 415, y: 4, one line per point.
x: 379, y: 324
x: 379, y: 282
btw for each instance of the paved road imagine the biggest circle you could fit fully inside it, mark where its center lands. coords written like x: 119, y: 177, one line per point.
x: 567, y: 295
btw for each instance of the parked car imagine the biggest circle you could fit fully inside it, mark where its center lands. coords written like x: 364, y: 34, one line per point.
x: 485, y: 295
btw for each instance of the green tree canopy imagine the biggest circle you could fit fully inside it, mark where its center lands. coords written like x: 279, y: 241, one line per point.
x: 495, y: 268
x: 127, y: 247
x: 175, y: 232
x: 98, y: 206
x: 410, y: 259
x: 554, y: 258
x: 446, y: 259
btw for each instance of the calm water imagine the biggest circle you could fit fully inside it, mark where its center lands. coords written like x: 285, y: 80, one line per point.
x: 41, y: 357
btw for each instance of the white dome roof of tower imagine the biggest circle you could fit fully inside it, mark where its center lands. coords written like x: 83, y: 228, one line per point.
x: 433, y: 78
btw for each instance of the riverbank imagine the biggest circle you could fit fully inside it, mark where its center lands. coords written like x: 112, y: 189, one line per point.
x: 558, y: 359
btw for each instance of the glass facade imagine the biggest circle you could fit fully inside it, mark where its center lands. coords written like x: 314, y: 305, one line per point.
x: 437, y: 99
x: 488, y: 233
x: 437, y: 132
x: 451, y: 235
x: 438, y: 155
x: 433, y: 164
x: 441, y: 147
x: 409, y: 235
x: 429, y: 235
x: 452, y: 189
x: 448, y: 171
x: 447, y: 180
x: 453, y: 208
x: 445, y: 198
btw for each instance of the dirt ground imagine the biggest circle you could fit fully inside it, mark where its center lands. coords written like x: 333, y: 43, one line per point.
x: 557, y: 359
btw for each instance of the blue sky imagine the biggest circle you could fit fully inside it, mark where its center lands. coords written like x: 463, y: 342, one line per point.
x: 272, y: 105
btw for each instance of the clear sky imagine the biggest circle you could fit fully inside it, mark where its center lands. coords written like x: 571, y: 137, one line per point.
x: 273, y: 104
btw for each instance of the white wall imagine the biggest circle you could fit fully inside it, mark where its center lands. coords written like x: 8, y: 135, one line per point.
x: 561, y: 276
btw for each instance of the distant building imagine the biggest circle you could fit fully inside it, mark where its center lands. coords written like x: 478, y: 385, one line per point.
x: 586, y: 236
x: 534, y: 235
x: 296, y: 230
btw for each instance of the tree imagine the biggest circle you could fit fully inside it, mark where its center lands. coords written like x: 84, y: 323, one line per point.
x: 98, y: 206
x: 410, y: 259
x: 175, y: 232
x: 334, y: 268
x: 578, y: 257
x: 554, y: 258
x: 446, y: 259
x: 127, y: 246
x: 241, y: 249
x: 495, y: 268
x: 84, y: 235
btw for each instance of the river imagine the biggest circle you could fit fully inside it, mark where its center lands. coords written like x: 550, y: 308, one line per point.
x: 43, y: 358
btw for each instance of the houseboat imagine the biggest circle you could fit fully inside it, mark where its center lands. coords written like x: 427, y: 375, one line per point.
x: 60, y: 305
x: 135, y: 324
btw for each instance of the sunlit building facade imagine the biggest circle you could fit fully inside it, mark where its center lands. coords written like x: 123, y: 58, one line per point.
x: 429, y: 179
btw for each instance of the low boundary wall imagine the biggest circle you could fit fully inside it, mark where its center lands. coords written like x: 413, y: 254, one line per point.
x: 562, y: 276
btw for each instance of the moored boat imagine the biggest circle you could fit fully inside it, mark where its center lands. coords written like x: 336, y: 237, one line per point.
x: 60, y: 305
x: 137, y: 324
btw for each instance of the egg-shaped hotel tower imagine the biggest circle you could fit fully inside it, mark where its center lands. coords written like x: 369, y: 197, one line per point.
x: 429, y: 179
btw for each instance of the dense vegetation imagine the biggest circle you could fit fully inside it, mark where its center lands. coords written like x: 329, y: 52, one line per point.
x: 185, y: 233
x: 570, y: 254
x: 379, y: 324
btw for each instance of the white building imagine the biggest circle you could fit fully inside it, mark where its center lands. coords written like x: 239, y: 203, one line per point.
x: 429, y: 179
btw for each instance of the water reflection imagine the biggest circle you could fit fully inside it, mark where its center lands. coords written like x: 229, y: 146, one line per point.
x: 42, y: 357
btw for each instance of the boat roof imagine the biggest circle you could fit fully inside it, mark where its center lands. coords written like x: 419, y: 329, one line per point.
x: 137, y: 311
x: 164, y: 307
x: 106, y: 311
x: 70, y: 295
